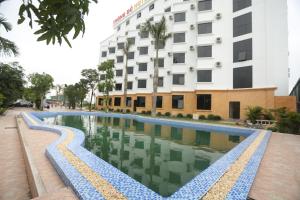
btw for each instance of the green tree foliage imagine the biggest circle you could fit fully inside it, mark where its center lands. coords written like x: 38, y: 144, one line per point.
x: 108, y: 84
x: 91, y: 79
x: 158, y: 31
x: 287, y: 122
x: 40, y: 86
x: 71, y: 95
x: 82, y: 90
x: 55, y: 18
x: 7, y: 47
x: 254, y: 113
x: 11, y: 82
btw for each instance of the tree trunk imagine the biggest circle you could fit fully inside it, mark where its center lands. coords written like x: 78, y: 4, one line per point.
x: 155, y: 83
x: 41, y: 105
x: 90, y: 108
x: 81, y: 104
x: 125, y: 84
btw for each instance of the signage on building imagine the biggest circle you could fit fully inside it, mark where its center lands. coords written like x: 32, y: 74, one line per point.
x: 130, y: 10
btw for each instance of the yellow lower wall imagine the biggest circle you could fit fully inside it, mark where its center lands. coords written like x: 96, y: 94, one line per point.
x: 263, y: 97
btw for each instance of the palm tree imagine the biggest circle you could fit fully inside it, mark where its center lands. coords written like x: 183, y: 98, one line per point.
x: 126, y: 50
x: 7, y: 47
x: 158, y: 32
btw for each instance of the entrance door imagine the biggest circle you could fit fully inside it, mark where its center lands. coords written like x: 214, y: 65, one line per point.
x: 234, y: 110
x: 134, y: 105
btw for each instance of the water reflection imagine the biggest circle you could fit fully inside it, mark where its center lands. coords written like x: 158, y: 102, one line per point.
x: 162, y: 158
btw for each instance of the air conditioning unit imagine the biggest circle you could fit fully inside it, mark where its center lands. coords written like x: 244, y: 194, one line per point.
x: 192, y: 6
x: 192, y: 48
x: 218, y: 16
x: 191, y: 69
x: 169, y: 54
x: 218, y: 40
x: 169, y: 72
x: 171, y: 17
x: 192, y: 27
x: 151, y: 76
x: 218, y: 64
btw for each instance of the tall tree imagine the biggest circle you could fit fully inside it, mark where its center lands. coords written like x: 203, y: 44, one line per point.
x: 126, y: 50
x: 108, y: 84
x: 11, y: 82
x: 82, y: 91
x: 71, y: 95
x: 40, y: 85
x: 7, y: 47
x: 159, y: 33
x: 91, y: 78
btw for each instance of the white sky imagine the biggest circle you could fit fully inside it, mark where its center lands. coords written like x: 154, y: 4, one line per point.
x: 65, y: 64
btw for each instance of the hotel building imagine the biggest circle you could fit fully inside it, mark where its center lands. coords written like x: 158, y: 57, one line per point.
x: 223, y: 56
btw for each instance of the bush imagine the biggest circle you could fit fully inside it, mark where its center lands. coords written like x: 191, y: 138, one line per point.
x: 118, y: 110
x: 254, y: 113
x: 168, y: 114
x: 190, y: 116
x: 202, y: 117
x: 273, y: 129
x: 143, y: 112
x: 158, y: 114
x: 179, y: 115
x: 2, y: 111
x: 148, y: 112
x: 289, y: 123
x: 214, y: 117
x: 127, y: 110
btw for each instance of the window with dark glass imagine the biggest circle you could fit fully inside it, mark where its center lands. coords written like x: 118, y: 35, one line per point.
x: 120, y: 59
x: 178, y: 101
x: 160, y: 82
x: 204, y: 5
x: 175, y: 155
x: 111, y: 49
x: 127, y: 22
x: 102, y: 77
x: 151, y: 7
x: 203, y: 102
x: 131, y: 40
x: 242, y: 50
x: 242, y: 24
x: 204, y: 51
x: 143, y: 67
x: 129, y: 85
x: 128, y: 101
x: 159, y: 101
x: 178, y: 37
x: 178, y: 58
x: 242, y: 77
x: 117, y: 101
x: 144, y: 34
x: 104, y: 54
x: 143, y: 50
x: 141, y: 101
x: 118, y: 86
x: 139, y: 15
x: 120, y: 45
x: 119, y: 72
x: 100, y: 102
x: 205, y: 28
x: 130, y: 55
x: 240, y: 4
x: 168, y: 9
x: 161, y: 62
x: 179, y: 17
x: 204, y: 75
x: 178, y: 79
x: 129, y: 70
x: 142, y: 83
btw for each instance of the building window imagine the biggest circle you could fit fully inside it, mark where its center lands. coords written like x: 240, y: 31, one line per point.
x: 117, y: 101
x: 120, y: 59
x: 160, y: 82
x: 178, y: 79
x: 151, y: 19
x: 120, y: 45
x: 131, y: 40
x: 127, y: 22
x: 178, y: 37
x: 143, y: 50
x: 100, y: 102
x: 119, y: 72
x: 129, y: 85
x: 242, y: 24
x: 151, y: 7
x: 204, y: 76
x: 178, y: 58
x: 143, y: 67
x: 128, y: 102
x: 111, y: 49
x: 168, y: 9
x: 161, y: 62
x: 129, y: 70
x: 204, y: 51
x: 118, y: 86
x: 242, y: 50
x: 205, y: 28
x: 242, y: 77
x: 104, y: 54
x: 139, y: 15
x: 159, y: 101
x: 179, y: 17
x: 240, y: 4
x: 142, y: 83
x: 140, y: 101
x: 144, y: 34
x: 102, y: 77
x: 204, y: 102
x: 204, y: 5
x: 178, y: 101
x: 130, y: 55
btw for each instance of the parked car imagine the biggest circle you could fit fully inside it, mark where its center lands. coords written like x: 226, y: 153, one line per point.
x: 23, y: 103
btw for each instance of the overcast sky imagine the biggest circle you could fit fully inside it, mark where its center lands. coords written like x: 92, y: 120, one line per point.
x: 65, y: 64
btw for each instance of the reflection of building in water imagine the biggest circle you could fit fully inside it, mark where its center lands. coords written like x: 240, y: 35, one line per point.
x: 165, y: 161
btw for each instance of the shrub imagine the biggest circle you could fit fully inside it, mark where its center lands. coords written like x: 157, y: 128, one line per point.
x: 143, y: 112
x: 214, y: 117
x: 190, y: 116
x: 273, y: 129
x: 2, y: 111
x: 254, y: 113
x: 158, y: 114
x: 127, y: 110
x: 168, y: 114
x: 111, y: 110
x: 201, y: 117
x: 118, y: 110
x: 289, y: 123
x: 179, y: 115
x: 267, y: 114
x: 148, y: 112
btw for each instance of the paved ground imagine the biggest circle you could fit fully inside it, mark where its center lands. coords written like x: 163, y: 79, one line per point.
x: 278, y: 177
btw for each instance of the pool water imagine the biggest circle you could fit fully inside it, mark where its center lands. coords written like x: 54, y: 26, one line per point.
x: 163, y: 158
